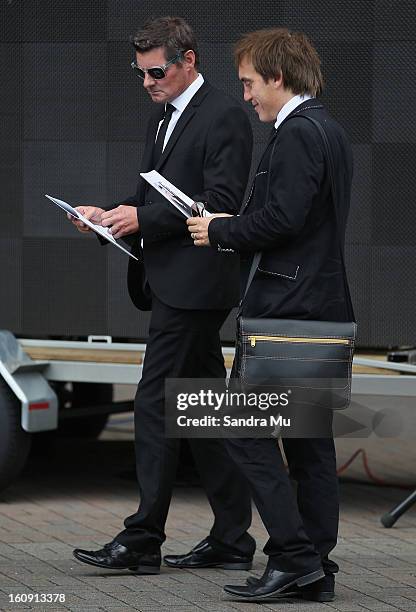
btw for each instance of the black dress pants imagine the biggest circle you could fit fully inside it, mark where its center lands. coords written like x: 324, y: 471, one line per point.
x: 312, y: 465
x: 302, y: 529
x: 183, y: 344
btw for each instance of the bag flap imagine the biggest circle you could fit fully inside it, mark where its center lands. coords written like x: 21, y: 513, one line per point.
x: 295, y: 328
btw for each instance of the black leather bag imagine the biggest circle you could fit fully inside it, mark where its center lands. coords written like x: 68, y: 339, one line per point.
x: 311, y: 358
x: 138, y: 287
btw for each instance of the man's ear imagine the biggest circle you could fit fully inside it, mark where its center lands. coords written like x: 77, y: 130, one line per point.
x: 278, y: 81
x: 189, y: 59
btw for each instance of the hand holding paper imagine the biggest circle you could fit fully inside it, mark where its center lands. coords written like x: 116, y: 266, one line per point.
x: 122, y: 220
x: 175, y: 196
x: 198, y: 228
x: 81, y: 219
x: 92, y: 213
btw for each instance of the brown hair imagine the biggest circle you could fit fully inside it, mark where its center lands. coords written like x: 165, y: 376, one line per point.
x: 278, y: 51
x: 174, y: 34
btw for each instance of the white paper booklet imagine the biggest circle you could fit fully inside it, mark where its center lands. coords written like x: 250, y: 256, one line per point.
x: 175, y: 196
x: 99, y: 229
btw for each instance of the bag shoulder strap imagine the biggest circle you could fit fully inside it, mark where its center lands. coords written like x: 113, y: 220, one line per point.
x: 331, y: 173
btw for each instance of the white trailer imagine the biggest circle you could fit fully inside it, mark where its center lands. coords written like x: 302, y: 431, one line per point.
x: 64, y: 385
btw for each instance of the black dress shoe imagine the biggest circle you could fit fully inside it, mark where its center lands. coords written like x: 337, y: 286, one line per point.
x: 117, y: 556
x: 322, y: 590
x: 203, y: 555
x: 274, y: 583
x: 291, y: 592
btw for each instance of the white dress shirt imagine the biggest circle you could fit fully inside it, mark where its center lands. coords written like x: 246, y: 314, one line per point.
x: 180, y: 103
x: 289, y: 107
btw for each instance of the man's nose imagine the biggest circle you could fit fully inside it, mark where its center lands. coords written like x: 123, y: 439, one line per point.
x: 247, y: 96
x: 147, y: 81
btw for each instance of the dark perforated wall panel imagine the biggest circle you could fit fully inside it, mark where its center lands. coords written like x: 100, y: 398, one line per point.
x: 72, y: 124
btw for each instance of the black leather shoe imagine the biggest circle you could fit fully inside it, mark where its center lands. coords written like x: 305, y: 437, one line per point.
x: 274, y: 583
x: 116, y: 556
x: 203, y: 555
x: 322, y: 590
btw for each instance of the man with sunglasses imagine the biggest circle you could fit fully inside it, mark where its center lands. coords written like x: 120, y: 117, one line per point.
x: 199, y: 139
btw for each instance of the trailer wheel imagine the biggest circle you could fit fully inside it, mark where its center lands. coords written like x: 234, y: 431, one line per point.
x: 15, y: 443
x: 76, y: 395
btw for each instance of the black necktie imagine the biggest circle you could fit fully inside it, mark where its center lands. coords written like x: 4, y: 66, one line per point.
x: 158, y: 146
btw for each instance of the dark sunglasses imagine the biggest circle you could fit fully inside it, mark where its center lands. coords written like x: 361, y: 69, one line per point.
x: 156, y: 72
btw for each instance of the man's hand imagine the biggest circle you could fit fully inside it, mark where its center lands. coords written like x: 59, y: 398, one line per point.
x: 198, y: 227
x: 92, y: 213
x: 121, y: 220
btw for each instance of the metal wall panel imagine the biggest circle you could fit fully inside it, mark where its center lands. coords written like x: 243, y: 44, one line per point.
x: 72, y: 171
x: 11, y: 289
x: 73, y: 120
x: 64, y: 287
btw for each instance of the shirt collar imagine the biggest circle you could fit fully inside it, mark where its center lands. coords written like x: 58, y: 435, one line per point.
x: 290, y: 107
x: 182, y: 101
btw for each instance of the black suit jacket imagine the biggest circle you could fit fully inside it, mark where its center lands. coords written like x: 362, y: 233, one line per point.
x: 208, y: 157
x: 300, y: 273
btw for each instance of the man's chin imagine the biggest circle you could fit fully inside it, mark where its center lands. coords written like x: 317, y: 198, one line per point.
x: 264, y: 118
x: 259, y: 113
x: 158, y: 96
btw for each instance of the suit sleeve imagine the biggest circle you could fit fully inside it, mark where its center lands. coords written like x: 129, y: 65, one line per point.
x: 228, y: 160
x: 296, y: 173
x: 225, y: 170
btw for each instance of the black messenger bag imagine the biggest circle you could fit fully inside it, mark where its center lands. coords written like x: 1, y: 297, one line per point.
x: 312, y: 360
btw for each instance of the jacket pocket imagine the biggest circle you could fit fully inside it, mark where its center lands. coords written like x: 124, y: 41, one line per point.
x: 272, y: 266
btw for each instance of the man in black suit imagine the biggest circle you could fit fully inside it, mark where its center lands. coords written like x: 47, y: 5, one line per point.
x: 199, y: 139
x: 300, y: 276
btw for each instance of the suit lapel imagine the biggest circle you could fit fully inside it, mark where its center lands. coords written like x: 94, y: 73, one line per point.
x: 183, y: 121
x: 312, y: 103
x: 269, y: 144
x: 146, y: 162
x: 151, y: 137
